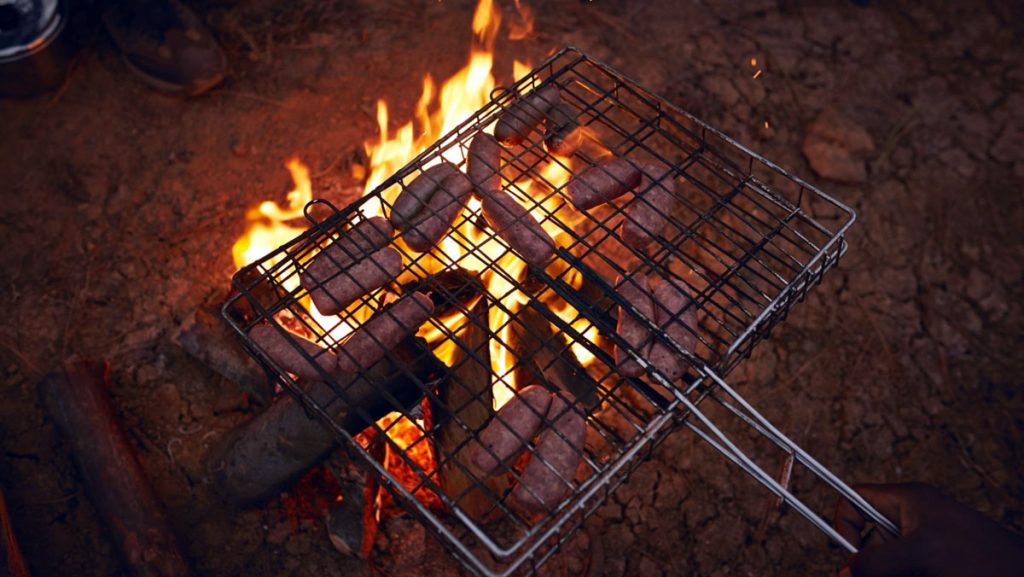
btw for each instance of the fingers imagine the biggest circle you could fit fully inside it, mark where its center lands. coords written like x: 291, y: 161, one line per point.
x: 892, y: 559
x: 849, y: 522
x: 891, y: 501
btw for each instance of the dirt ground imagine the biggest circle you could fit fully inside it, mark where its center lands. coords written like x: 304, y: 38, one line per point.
x: 120, y: 206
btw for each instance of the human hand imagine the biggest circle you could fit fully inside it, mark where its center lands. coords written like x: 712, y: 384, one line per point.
x: 940, y: 537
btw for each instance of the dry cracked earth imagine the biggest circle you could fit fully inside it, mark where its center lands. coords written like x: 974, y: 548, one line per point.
x: 121, y: 205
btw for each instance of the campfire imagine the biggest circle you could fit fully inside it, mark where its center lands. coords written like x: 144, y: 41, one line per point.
x: 534, y: 283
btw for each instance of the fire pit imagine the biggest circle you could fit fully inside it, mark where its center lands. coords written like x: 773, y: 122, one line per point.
x: 743, y: 237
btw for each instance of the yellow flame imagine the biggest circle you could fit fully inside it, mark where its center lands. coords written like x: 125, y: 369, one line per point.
x: 269, y: 225
x: 438, y: 111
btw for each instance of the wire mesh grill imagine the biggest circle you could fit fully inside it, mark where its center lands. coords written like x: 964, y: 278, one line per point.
x: 745, y: 239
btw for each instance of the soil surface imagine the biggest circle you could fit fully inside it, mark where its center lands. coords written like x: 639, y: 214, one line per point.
x: 121, y: 205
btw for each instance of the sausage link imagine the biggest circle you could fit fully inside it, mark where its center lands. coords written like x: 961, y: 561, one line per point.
x: 647, y: 214
x: 525, y: 113
x: 677, y: 316
x: 510, y: 430
x: 381, y: 333
x: 365, y: 237
x: 517, y: 227
x: 281, y: 350
x: 440, y: 212
x: 484, y: 164
x: 636, y: 290
x: 550, y: 474
x: 367, y: 275
x: 418, y: 193
x: 603, y: 182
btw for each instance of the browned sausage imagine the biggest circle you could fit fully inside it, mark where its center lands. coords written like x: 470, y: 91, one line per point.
x: 517, y: 227
x: 510, y: 430
x: 369, y: 274
x: 562, y: 132
x: 647, y: 214
x: 603, y: 182
x: 418, y: 193
x: 437, y: 216
x: 677, y: 316
x: 381, y: 333
x: 524, y: 114
x: 282, y: 351
x: 551, y: 472
x: 365, y: 237
x: 636, y: 290
x: 484, y: 164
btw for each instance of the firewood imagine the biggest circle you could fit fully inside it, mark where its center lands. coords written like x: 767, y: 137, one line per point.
x: 76, y: 398
x: 468, y: 404
x: 261, y: 456
x: 206, y: 336
x: 449, y: 290
x: 543, y: 357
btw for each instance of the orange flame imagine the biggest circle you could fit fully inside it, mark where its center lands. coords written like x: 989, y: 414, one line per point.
x: 437, y: 112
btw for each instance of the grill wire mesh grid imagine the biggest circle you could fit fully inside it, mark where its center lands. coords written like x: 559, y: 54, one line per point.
x: 747, y: 239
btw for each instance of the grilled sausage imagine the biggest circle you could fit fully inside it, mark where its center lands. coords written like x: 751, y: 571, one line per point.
x: 510, y: 430
x: 647, y: 214
x: 524, y: 114
x: 550, y: 474
x: 365, y: 237
x: 603, y: 182
x: 484, y: 164
x: 436, y: 217
x: 677, y: 316
x: 517, y: 227
x: 281, y: 350
x: 418, y: 193
x: 636, y: 290
x: 562, y: 132
x: 367, y: 275
x: 381, y: 333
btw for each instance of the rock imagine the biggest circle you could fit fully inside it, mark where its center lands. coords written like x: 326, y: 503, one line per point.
x: 837, y: 148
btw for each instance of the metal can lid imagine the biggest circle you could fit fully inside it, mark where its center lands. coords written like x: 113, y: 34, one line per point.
x: 27, y: 26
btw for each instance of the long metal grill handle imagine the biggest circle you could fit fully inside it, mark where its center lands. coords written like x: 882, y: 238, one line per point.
x: 737, y: 405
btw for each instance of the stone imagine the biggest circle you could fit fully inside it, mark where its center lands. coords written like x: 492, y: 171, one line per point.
x: 837, y: 148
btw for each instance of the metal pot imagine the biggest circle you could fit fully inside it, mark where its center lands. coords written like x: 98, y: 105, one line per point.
x: 34, y: 51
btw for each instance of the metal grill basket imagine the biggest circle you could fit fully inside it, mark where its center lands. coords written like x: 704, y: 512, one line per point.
x: 747, y: 239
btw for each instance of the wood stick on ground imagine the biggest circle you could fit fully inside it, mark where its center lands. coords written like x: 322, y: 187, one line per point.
x: 76, y: 398
x: 258, y: 458
x: 468, y: 406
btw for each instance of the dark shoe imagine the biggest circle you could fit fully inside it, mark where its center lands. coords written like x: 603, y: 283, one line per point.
x: 166, y: 44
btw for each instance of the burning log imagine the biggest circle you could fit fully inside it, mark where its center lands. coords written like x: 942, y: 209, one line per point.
x: 544, y: 357
x: 352, y: 522
x: 259, y: 457
x: 76, y: 398
x: 451, y: 289
x: 207, y: 337
x: 469, y: 404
